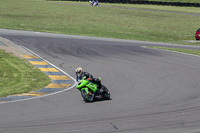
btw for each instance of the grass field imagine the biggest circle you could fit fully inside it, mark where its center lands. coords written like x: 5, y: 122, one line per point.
x: 18, y: 76
x: 155, y: 7
x: 62, y: 17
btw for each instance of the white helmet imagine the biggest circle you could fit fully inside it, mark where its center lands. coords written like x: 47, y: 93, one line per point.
x: 79, y: 70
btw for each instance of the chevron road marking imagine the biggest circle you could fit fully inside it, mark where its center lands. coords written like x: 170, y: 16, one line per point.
x: 38, y: 62
x: 33, y: 94
x: 49, y: 69
x: 57, y: 77
x: 29, y: 56
x: 56, y: 85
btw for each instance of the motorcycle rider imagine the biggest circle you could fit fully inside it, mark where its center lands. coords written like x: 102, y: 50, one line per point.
x: 80, y: 74
x: 94, y: 2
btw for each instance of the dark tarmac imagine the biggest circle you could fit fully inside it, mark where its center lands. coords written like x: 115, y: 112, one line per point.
x: 153, y: 91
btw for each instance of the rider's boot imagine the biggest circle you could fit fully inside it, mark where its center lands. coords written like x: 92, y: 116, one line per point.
x: 98, y: 92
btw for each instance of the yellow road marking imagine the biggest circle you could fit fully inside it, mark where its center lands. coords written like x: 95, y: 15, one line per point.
x: 55, y: 77
x: 29, y: 56
x: 49, y: 69
x: 56, y: 85
x: 38, y: 62
x: 33, y: 94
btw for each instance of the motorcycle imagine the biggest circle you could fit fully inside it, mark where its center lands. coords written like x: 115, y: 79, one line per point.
x: 94, y: 3
x: 90, y: 92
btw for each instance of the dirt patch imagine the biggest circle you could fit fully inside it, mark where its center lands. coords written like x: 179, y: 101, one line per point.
x: 13, y: 48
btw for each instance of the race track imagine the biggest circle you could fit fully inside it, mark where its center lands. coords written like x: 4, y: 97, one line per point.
x: 153, y: 91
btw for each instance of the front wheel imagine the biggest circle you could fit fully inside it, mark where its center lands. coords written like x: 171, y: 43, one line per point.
x: 87, y: 97
x: 105, y: 93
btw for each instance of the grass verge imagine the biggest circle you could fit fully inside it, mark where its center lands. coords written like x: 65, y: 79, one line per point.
x: 188, y: 51
x: 19, y: 76
x: 66, y: 18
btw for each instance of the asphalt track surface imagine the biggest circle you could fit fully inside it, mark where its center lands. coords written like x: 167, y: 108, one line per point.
x: 153, y: 91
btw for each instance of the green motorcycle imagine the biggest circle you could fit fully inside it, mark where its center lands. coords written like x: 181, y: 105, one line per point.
x: 89, y: 91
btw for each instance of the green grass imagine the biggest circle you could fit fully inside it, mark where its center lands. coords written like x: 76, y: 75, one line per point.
x: 60, y: 17
x: 157, y: 7
x: 19, y: 76
x: 188, y: 51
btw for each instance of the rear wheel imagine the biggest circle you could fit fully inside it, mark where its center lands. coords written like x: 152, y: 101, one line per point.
x: 87, y: 97
x: 105, y: 93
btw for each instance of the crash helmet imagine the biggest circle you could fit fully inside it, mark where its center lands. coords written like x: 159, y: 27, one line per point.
x: 79, y: 71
